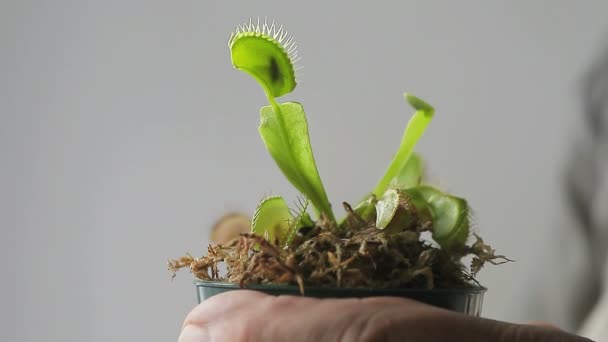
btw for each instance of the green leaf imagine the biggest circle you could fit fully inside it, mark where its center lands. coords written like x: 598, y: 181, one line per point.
x: 398, y: 210
x: 414, y: 130
x: 451, y: 224
x: 305, y: 221
x: 267, y: 54
x: 299, y: 218
x: 411, y: 174
x: 366, y: 208
x: 386, y: 207
x: 271, y: 219
x: 284, y: 130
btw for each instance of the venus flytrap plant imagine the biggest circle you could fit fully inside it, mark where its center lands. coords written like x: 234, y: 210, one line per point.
x: 268, y: 54
x: 379, y: 243
x: 299, y: 219
x: 276, y: 222
x: 451, y: 224
x: 271, y: 219
x: 405, y: 169
x: 450, y: 214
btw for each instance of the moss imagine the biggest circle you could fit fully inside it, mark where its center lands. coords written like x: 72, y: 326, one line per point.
x: 326, y: 256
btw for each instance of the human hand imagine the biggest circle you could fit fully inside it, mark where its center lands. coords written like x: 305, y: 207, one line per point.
x: 253, y: 316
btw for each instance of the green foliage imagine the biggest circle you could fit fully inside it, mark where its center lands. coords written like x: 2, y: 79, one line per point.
x: 299, y: 218
x: 411, y: 174
x: 451, y: 224
x: 268, y: 54
x: 367, y: 208
x: 386, y: 208
x: 271, y: 219
x: 265, y: 52
x: 284, y: 129
x: 414, y: 130
x: 276, y: 222
x: 450, y: 214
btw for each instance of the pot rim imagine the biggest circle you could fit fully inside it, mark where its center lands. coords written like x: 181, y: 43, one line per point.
x: 293, y: 288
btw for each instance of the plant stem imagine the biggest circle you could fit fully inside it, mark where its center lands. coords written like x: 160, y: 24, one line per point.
x: 414, y: 130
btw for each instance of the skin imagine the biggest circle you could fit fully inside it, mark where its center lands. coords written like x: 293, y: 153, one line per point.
x: 252, y: 316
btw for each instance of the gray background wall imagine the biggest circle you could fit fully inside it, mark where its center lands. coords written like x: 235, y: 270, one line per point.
x: 124, y: 133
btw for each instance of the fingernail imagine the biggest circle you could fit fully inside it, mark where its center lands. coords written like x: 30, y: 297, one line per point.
x: 194, y: 333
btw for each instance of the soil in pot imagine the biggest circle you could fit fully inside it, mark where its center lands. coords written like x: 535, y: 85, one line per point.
x: 354, y: 260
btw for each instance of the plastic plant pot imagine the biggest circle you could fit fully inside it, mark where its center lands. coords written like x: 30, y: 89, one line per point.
x: 468, y: 301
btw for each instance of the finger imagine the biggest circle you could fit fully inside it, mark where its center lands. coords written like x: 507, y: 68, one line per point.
x: 238, y: 316
x: 543, y: 324
x: 282, y: 318
x: 219, y: 305
x: 194, y: 333
x: 537, y: 333
x: 366, y: 319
